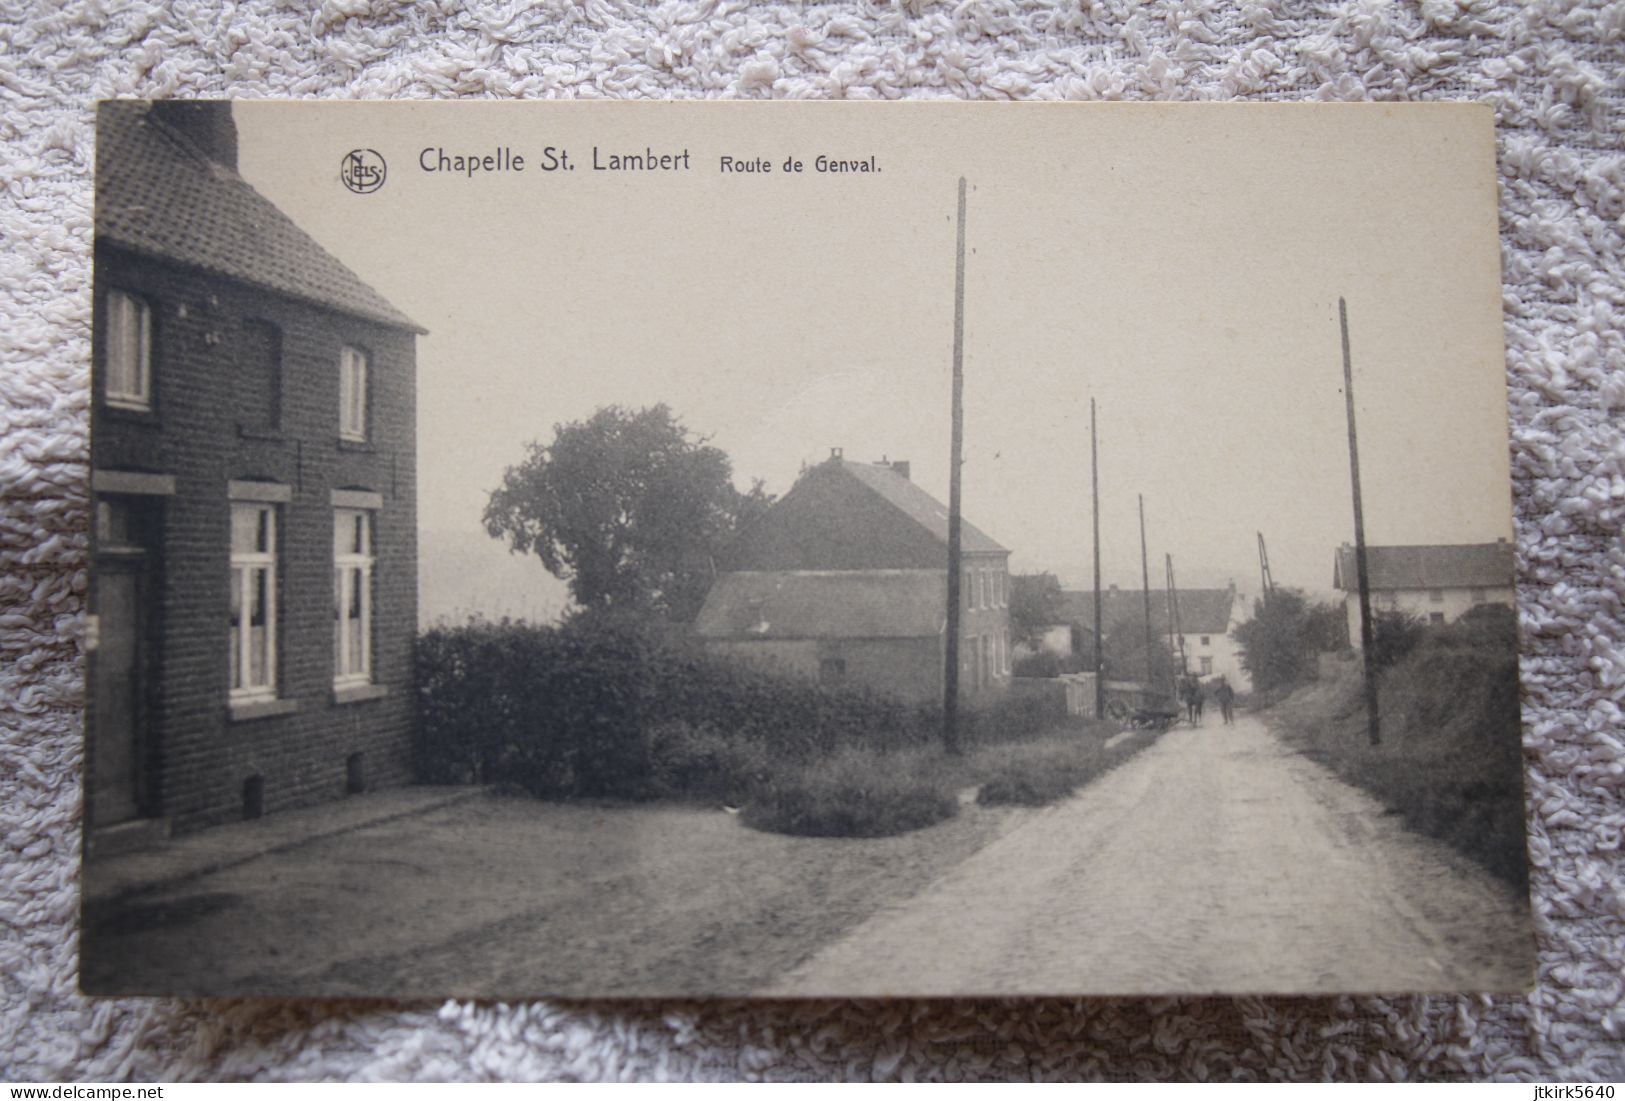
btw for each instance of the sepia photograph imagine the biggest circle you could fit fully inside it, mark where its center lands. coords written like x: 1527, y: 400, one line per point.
x: 800, y: 550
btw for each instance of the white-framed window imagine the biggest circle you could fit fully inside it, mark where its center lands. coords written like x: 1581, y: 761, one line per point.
x: 1207, y: 666
x: 253, y: 601
x: 1436, y: 596
x: 352, y: 394
x: 352, y: 597
x: 127, y: 361
x: 970, y: 589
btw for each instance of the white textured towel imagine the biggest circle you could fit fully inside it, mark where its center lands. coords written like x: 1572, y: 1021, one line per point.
x: 1554, y: 74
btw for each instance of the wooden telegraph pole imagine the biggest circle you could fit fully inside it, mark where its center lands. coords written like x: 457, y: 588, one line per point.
x: 1266, y: 580
x: 1094, y: 474
x: 1175, y: 629
x: 1145, y: 587
x: 1373, y: 723
x: 950, y: 670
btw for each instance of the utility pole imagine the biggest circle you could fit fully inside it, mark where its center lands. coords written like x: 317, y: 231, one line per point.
x: 1373, y: 723
x: 1145, y: 591
x: 950, y: 671
x: 1094, y: 474
x: 1175, y: 628
x: 1266, y: 580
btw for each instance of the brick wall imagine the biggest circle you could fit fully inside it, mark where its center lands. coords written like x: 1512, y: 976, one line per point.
x: 196, y: 757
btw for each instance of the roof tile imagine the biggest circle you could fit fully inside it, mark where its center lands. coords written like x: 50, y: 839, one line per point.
x: 157, y: 194
x: 1428, y: 566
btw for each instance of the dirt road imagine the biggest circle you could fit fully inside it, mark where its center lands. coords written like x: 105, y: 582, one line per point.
x: 1217, y: 860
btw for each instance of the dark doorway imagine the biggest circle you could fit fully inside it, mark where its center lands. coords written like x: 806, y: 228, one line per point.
x: 118, y: 660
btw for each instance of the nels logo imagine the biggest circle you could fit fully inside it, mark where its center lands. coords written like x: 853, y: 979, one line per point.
x: 362, y: 170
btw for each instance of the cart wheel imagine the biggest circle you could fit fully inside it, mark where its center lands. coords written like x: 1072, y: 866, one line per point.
x: 1118, y: 710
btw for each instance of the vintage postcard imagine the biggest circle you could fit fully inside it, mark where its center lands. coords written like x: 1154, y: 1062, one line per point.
x: 800, y: 549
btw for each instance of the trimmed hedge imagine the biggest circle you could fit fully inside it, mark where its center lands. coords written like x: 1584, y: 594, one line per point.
x: 613, y: 706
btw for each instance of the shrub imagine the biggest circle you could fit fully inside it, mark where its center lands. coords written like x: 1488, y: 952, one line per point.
x: 1016, y: 716
x: 1393, y: 636
x: 699, y: 762
x: 850, y: 794
x: 1049, y: 771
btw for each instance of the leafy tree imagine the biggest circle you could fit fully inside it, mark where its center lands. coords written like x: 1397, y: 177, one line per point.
x: 628, y: 507
x: 1280, y: 643
x: 1035, y: 606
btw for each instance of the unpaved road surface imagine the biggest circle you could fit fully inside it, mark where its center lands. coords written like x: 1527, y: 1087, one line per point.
x: 1218, y: 860
x: 513, y: 897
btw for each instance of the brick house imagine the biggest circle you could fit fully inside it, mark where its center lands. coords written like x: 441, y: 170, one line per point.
x: 253, y: 441
x: 845, y: 579
x: 1437, y: 583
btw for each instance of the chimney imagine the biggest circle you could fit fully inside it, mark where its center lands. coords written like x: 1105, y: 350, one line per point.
x: 834, y: 454
x: 206, y: 123
x: 901, y: 467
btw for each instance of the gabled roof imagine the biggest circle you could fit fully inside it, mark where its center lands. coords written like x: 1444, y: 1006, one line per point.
x: 1201, y: 611
x: 158, y: 194
x: 1428, y: 566
x: 916, y: 504
x: 809, y: 604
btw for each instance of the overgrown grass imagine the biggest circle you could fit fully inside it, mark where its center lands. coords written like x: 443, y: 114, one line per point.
x: 863, y: 793
x: 1450, y: 761
x: 853, y: 793
x: 1037, y: 773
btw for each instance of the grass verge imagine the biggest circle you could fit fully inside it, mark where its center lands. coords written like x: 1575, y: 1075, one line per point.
x: 858, y: 792
x: 1450, y: 760
x: 1037, y: 773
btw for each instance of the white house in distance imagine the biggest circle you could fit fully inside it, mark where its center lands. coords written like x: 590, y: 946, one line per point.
x: 1206, y: 618
x: 1437, y: 583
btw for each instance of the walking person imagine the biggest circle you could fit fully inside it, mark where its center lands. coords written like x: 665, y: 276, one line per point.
x: 1199, y: 694
x: 1227, y: 699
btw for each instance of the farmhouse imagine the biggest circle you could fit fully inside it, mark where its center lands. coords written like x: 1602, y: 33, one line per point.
x: 253, y: 485
x: 845, y: 580
x: 1438, y: 583
x: 1206, y: 618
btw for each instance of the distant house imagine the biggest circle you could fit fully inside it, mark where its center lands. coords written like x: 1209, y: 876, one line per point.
x: 1438, y: 583
x: 1206, y: 618
x: 845, y: 580
x: 253, y: 458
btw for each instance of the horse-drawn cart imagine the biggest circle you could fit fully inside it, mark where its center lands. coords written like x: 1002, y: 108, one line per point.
x: 1139, y: 707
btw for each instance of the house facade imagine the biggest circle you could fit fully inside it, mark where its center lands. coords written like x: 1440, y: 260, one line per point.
x: 253, y: 599
x: 1437, y: 583
x: 1206, y: 619
x: 845, y: 579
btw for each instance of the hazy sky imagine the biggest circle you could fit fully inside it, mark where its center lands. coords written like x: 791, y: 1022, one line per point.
x: 1181, y: 265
